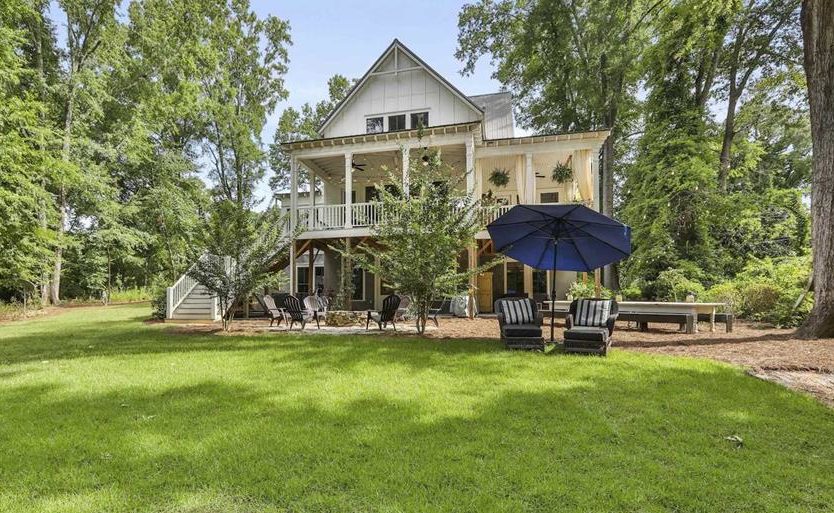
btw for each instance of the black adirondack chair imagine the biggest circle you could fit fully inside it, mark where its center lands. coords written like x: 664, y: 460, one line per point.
x: 296, y: 312
x: 388, y: 313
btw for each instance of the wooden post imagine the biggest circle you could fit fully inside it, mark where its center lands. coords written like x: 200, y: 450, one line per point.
x: 348, y: 191
x: 292, y: 267
x: 597, y: 285
x: 311, y: 272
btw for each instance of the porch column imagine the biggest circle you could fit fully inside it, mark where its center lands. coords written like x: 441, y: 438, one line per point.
x: 348, y: 190
x: 528, y: 280
x: 470, y: 164
x: 292, y: 267
x: 473, y: 280
x: 406, y: 164
x: 293, y: 193
x: 312, y: 175
x: 595, y: 173
x: 530, y: 176
x: 520, y: 182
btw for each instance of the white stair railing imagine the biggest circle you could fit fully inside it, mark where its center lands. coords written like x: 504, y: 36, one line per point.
x: 175, y: 294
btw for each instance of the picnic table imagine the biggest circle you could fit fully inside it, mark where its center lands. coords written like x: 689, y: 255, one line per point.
x: 659, y: 308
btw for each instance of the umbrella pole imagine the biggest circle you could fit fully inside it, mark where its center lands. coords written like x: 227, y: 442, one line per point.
x: 553, y: 294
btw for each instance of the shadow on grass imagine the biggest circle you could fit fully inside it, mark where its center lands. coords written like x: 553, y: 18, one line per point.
x: 629, y: 438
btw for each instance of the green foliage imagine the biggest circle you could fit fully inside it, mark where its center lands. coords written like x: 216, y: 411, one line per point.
x: 767, y: 290
x: 241, y: 252
x: 562, y: 173
x: 587, y: 289
x: 674, y: 285
x: 420, y: 239
x: 499, y: 177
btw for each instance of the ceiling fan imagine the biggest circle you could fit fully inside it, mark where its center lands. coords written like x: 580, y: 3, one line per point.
x: 355, y: 165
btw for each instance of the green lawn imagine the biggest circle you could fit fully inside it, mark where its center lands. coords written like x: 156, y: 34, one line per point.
x: 100, y: 412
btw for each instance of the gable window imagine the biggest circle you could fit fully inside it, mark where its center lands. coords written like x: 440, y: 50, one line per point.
x: 396, y: 122
x: 549, y: 197
x: 419, y: 119
x: 374, y: 125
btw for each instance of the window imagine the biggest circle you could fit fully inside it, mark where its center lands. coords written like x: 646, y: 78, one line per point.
x: 419, y: 119
x: 374, y: 126
x: 358, y: 284
x: 549, y: 197
x: 303, y: 282
x: 515, y: 278
x: 540, y: 282
x: 396, y: 122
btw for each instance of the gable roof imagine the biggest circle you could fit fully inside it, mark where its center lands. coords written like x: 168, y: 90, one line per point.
x: 398, y: 46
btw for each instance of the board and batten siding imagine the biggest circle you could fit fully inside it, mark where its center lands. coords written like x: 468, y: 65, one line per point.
x: 402, y: 93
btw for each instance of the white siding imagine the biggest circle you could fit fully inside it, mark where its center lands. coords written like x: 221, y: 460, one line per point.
x: 403, y: 93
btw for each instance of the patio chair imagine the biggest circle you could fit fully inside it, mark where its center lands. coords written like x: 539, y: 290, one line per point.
x: 314, y: 304
x: 590, y: 325
x: 435, y: 309
x: 273, y: 311
x: 296, y: 312
x: 386, y: 315
x: 402, y: 310
x: 520, y: 323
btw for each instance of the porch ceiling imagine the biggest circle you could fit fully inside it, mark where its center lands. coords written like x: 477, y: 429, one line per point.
x: 377, y: 165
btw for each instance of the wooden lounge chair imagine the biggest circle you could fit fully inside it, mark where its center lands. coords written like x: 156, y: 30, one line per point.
x: 296, y: 312
x: 520, y: 323
x: 590, y: 325
x: 315, y: 305
x: 389, y: 311
x: 273, y: 311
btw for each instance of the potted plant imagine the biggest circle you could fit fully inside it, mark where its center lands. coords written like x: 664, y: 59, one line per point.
x: 562, y: 173
x: 499, y: 177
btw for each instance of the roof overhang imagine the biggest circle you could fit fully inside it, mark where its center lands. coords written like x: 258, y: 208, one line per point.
x: 545, y: 138
x: 401, y: 135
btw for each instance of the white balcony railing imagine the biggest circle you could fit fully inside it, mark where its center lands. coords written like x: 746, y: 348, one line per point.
x: 363, y: 215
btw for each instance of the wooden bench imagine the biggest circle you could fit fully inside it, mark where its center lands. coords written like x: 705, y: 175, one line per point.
x: 727, y: 318
x: 684, y: 320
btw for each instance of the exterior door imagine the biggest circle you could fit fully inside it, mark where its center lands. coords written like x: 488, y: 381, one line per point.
x: 485, y: 292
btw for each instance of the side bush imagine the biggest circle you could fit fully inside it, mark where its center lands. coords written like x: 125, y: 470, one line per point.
x: 766, y: 290
x: 579, y: 290
x: 674, y: 285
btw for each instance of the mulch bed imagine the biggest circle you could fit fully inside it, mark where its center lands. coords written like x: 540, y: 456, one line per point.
x: 767, y: 353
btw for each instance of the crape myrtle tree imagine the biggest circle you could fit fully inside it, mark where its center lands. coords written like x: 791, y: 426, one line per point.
x: 242, y: 250
x: 423, y: 230
x: 818, y: 31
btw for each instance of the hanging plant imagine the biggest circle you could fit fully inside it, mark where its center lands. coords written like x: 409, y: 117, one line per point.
x: 499, y: 177
x: 562, y: 173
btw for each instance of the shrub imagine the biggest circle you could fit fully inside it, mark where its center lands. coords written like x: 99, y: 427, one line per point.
x: 580, y: 289
x: 766, y: 290
x: 132, y: 295
x: 674, y: 285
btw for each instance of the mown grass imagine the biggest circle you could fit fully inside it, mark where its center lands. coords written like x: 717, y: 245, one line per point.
x: 100, y: 412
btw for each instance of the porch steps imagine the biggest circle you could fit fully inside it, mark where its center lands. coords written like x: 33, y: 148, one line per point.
x: 198, y: 304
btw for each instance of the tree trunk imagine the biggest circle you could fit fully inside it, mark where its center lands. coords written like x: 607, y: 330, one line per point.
x: 611, y: 278
x: 55, y: 286
x: 818, y: 33
x: 729, y: 135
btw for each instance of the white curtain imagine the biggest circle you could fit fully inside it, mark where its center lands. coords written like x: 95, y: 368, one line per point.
x: 581, y: 164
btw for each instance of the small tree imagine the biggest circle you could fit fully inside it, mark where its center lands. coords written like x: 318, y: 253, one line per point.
x: 422, y: 232
x: 241, y: 250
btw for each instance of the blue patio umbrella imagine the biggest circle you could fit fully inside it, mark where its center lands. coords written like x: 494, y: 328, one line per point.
x: 560, y: 237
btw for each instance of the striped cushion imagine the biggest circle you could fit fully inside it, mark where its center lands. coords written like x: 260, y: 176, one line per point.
x: 517, y: 311
x: 590, y: 312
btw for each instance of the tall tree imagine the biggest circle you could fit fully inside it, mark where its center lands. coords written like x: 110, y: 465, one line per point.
x: 88, y: 22
x: 25, y: 159
x: 297, y: 125
x: 763, y: 37
x: 241, y: 83
x: 818, y: 33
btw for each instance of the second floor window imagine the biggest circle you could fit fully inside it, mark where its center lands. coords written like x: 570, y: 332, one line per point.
x: 419, y: 120
x: 396, y: 122
x: 373, y: 125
